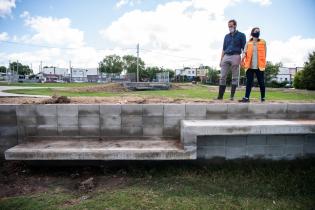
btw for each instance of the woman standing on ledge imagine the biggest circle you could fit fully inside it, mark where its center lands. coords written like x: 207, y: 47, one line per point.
x: 254, y: 62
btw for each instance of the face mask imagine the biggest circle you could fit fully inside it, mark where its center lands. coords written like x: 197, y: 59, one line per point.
x: 256, y: 34
x: 232, y: 29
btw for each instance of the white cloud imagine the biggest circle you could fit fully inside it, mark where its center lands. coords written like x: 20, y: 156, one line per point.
x: 4, y: 36
x: 262, y: 2
x: 53, y: 31
x: 121, y: 3
x: 6, y: 7
x: 292, y: 52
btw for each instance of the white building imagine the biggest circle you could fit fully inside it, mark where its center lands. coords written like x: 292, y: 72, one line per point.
x: 287, y: 73
x: 55, y: 71
x: 81, y: 74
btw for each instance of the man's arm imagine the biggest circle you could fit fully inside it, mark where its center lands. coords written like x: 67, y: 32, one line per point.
x: 224, y: 48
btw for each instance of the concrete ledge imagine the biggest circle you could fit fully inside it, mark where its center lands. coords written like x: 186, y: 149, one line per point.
x: 100, y: 150
x: 190, y: 129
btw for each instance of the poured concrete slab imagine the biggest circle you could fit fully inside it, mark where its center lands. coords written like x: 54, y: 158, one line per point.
x: 87, y: 149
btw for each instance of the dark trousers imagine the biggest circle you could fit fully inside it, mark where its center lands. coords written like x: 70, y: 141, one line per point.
x: 250, y: 79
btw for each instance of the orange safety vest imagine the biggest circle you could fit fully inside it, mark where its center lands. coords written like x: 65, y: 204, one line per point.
x: 261, y: 55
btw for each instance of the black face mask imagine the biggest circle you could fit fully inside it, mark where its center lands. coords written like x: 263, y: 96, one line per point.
x: 256, y: 34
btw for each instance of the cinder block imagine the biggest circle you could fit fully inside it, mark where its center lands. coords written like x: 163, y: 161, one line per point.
x: 89, y: 130
x: 110, y: 109
x: 211, y: 152
x: 153, y: 121
x: 277, y: 109
x: 255, y: 151
x: 195, y: 117
x: 293, y: 150
x: 274, y: 150
x: 257, y: 109
x: 8, y: 120
x: 235, y: 141
x: 8, y: 141
x: 153, y: 110
x: 89, y: 110
x: 30, y: 130
x: 132, y: 131
x: 171, y: 131
x: 26, y: 110
x: 67, y: 110
x: 47, y: 130
x: 305, y: 111
x: 309, y: 149
x: 131, y: 109
x: 310, y: 139
x: 235, y: 152
x: 241, y: 109
x: 276, y: 139
x: 174, y: 110
x: 46, y: 120
x: 26, y: 120
x: 172, y: 121
x: 110, y: 120
x: 295, y: 139
x: 7, y: 131
x: 7, y: 109
x: 46, y: 109
x: 196, y: 110
x: 68, y: 120
x: 131, y: 121
x: 153, y: 131
x: 68, y: 130
x: 256, y: 140
x: 216, y: 109
x: 89, y: 120
x: 111, y: 131
x: 210, y: 141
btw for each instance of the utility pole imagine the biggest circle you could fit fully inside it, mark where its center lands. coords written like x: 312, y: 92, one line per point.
x: 138, y: 62
x: 7, y: 72
x: 70, y: 71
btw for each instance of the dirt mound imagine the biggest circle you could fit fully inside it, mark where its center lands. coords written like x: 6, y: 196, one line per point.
x: 111, y: 88
x: 57, y: 100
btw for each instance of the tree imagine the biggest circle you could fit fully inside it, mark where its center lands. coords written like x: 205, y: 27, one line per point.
x: 309, y: 72
x: 213, y: 75
x: 305, y: 79
x: 271, y: 71
x: 111, y: 64
x: 20, y: 68
x: 130, y: 65
x: 3, y: 69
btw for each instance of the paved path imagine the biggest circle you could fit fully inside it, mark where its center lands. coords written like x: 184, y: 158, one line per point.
x: 4, y: 94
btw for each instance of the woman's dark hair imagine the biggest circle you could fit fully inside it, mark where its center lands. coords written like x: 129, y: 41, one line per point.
x: 251, y: 39
x: 233, y: 21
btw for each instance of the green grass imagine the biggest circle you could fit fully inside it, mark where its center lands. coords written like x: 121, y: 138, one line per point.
x: 197, y: 92
x: 47, y: 84
x: 229, y: 185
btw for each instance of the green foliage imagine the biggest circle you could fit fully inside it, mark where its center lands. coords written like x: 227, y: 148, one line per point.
x: 276, y: 84
x: 3, y: 69
x: 271, y: 71
x: 213, y: 75
x: 111, y: 64
x: 298, y: 80
x: 130, y: 64
x: 20, y: 68
x: 305, y: 79
x: 309, y: 72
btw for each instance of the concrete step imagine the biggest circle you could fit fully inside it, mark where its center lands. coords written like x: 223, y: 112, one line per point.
x: 91, y: 149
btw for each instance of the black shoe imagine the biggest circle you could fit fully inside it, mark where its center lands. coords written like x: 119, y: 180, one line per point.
x: 221, y: 92
x: 244, y: 100
x: 262, y: 100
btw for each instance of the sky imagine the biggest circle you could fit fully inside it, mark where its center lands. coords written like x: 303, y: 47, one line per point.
x: 171, y: 34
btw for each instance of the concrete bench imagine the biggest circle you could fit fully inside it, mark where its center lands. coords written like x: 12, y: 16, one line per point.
x: 190, y: 129
x: 131, y: 148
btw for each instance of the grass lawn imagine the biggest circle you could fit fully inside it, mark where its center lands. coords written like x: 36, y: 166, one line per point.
x: 169, y: 185
x: 195, y: 92
x: 47, y: 84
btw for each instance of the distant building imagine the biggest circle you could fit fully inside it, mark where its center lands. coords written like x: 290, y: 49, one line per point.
x: 287, y: 74
x: 191, y: 73
x: 84, y: 74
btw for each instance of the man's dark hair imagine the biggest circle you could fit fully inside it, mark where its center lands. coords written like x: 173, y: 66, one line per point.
x: 233, y: 21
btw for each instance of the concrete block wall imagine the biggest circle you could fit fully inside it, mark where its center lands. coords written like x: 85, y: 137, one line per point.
x: 17, y: 122
x: 256, y: 146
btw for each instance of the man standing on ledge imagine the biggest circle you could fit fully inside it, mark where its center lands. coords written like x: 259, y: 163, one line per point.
x: 233, y: 46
